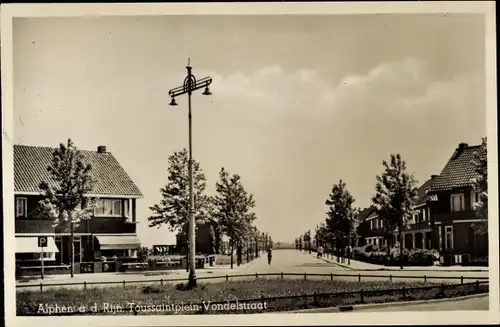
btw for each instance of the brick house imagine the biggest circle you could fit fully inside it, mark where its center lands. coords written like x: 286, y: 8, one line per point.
x: 372, y: 229
x: 111, y: 231
x: 419, y: 233
x: 203, y: 238
x: 443, y: 217
x: 452, y: 211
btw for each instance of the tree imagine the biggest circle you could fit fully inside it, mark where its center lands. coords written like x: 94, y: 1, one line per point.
x: 218, y: 238
x: 480, y: 184
x: 143, y: 254
x: 341, y: 216
x: 396, y: 191
x: 65, y: 201
x: 173, y: 209
x: 321, y: 235
x: 307, y: 241
x: 232, y: 209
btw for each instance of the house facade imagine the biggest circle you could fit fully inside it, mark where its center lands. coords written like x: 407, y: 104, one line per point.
x: 452, y: 210
x: 420, y: 232
x: 443, y: 217
x: 111, y: 231
x: 372, y: 229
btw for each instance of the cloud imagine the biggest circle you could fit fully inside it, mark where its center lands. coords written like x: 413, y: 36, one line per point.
x: 391, y: 88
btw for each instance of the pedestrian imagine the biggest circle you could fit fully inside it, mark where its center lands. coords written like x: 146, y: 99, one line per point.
x: 269, y: 256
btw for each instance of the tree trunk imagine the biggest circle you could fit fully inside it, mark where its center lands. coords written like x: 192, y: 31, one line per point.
x: 401, y: 243
x: 72, y: 256
x: 349, y: 248
x: 232, y: 251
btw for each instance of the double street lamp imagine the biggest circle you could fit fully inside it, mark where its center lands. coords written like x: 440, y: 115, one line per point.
x: 191, y: 84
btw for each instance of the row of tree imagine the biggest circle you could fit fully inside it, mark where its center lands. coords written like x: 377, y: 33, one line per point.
x: 395, y: 193
x: 65, y: 201
x: 227, y: 212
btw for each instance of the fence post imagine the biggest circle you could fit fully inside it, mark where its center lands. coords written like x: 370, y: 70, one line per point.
x: 359, y: 277
x: 477, y: 285
x: 123, y: 283
x: 331, y: 276
x: 256, y: 275
x: 281, y: 275
x: 84, y: 285
x: 425, y: 279
x: 461, y: 279
x: 227, y: 278
x: 404, y: 292
x: 161, y: 281
x: 305, y: 276
x: 41, y: 286
x: 362, y: 296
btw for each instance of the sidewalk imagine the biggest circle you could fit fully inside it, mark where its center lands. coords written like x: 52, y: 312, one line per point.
x: 135, y: 275
x: 359, y: 265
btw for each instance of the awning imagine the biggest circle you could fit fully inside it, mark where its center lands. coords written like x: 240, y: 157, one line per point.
x: 118, y: 242
x: 30, y: 245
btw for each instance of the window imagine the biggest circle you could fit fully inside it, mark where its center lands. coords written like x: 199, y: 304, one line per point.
x: 381, y: 223
x: 371, y: 224
x: 474, y: 198
x: 108, y: 208
x: 414, y: 217
x: 376, y: 223
x: 424, y: 214
x: 448, y: 239
x: 457, y: 202
x: 440, y: 238
x: 126, y: 208
x: 21, y: 207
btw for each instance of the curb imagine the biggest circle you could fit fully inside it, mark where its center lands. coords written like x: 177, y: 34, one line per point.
x: 404, y: 269
x: 360, y: 307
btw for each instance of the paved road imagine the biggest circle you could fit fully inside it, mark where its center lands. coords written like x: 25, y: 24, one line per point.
x: 287, y: 261
x: 477, y: 303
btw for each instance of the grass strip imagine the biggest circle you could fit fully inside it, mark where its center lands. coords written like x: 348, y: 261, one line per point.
x: 212, y: 298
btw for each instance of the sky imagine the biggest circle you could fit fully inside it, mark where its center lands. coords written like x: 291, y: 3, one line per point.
x: 299, y: 102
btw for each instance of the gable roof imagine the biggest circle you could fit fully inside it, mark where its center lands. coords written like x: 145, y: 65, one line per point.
x: 30, y: 169
x: 363, y: 214
x: 422, y: 194
x: 459, y: 171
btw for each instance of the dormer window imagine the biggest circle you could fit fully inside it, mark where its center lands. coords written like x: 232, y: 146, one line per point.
x: 474, y: 198
x: 108, y: 208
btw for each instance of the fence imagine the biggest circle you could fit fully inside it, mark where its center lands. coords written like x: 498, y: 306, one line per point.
x: 257, y: 275
x: 360, y: 295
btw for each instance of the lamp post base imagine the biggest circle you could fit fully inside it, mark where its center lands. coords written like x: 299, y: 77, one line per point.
x: 192, y: 279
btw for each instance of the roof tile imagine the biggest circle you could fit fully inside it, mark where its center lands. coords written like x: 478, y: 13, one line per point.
x: 31, y: 162
x: 459, y: 171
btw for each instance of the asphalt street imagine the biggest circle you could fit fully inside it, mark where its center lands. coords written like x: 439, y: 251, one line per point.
x: 286, y: 261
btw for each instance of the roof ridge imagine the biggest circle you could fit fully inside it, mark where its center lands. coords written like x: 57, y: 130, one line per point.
x: 53, y: 147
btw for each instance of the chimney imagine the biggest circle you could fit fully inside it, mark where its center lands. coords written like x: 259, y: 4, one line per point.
x: 459, y: 150
x: 434, y: 176
x: 101, y: 149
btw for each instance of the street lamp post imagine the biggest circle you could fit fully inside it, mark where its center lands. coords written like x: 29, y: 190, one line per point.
x: 191, y: 84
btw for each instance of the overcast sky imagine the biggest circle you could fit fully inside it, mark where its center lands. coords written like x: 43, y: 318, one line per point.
x: 298, y: 102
